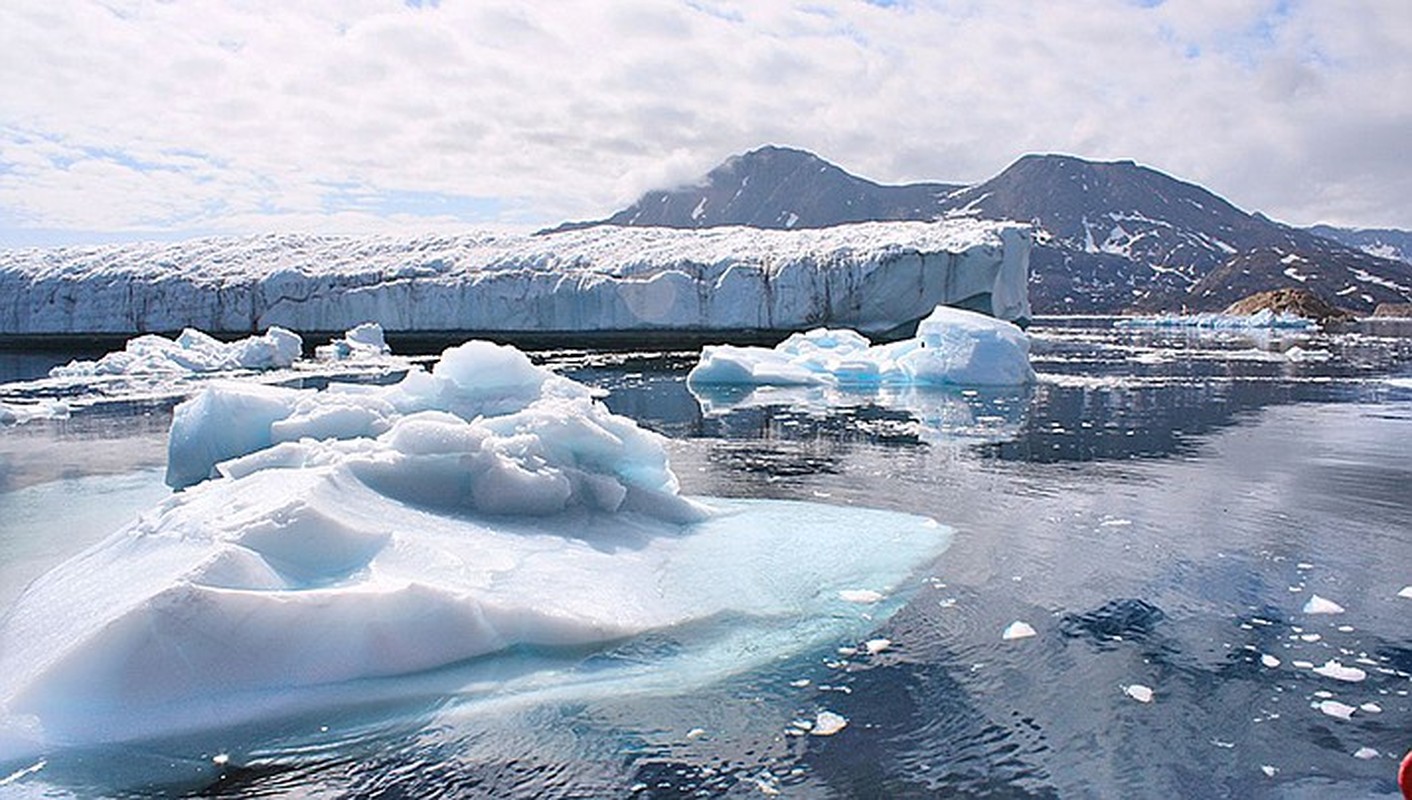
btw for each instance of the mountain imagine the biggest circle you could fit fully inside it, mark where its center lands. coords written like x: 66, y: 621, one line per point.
x: 1383, y: 242
x: 780, y: 187
x: 1114, y: 236
x: 1121, y: 236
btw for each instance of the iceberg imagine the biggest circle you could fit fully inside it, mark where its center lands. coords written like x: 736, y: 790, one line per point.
x: 363, y: 342
x: 872, y: 277
x: 191, y: 351
x: 475, y: 531
x: 952, y: 347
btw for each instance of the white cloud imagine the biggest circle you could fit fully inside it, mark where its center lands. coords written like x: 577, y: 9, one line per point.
x: 208, y: 115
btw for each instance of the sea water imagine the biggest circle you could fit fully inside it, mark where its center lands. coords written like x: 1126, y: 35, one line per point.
x: 1167, y: 512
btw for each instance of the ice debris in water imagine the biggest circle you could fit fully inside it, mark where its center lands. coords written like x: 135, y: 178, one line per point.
x: 1366, y: 753
x: 1138, y: 692
x: 827, y: 723
x: 1333, y: 669
x: 1269, y: 660
x: 1017, y: 630
x: 1335, y: 709
x: 875, y: 646
x: 1322, y: 605
x: 1264, y: 318
x: 20, y: 413
x: 1406, y: 592
x: 358, y: 536
x: 362, y: 342
x: 191, y: 351
x: 1269, y: 770
x: 952, y: 347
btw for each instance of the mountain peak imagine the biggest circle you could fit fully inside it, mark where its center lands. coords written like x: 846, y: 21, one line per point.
x: 780, y: 187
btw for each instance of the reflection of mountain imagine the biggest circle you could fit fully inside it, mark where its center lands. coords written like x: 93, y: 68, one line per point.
x: 970, y: 416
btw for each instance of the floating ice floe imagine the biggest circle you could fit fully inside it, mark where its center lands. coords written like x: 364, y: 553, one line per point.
x: 1261, y: 319
x: 952, y: 347
x: 1017, y: 630
x: 474, y: 533
x: 827, y: 723
x: 191, y: 351
x: 1405, y: 592
x: 1138, y: 692
x: 1336, y: 670
x: 1322, y: 605
x: 1334, y: 708
x: 361, y: 342
x: 16, y: 413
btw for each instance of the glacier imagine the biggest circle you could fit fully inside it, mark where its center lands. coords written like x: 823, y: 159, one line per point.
x: 871, y: 277
x: 952, y: 347
x: 1265, y: 319
x: 474, y: 533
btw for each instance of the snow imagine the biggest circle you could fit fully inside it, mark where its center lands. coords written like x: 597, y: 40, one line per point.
x: 869, y: 276
x: 437, y: 537
x: 191, y: 351
x: 1260, y: 319
x: 952, y: 348
x: 1322, y: 605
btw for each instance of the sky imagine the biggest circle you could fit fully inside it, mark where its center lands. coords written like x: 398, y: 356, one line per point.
x: 143, y: 119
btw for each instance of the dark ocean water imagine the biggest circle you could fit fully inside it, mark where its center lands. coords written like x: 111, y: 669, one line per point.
x: 1160, y: 509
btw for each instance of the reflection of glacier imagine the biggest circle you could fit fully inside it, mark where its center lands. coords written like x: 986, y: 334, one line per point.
x: 481, y: 531
x: 940, y: 415
x: 1260, y: 320
x: 872, y: 277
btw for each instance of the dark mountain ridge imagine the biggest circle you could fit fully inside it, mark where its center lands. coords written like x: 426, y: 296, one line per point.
x: 1114, y: 236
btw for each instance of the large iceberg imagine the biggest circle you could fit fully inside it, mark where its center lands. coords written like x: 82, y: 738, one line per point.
x: 394, y: 544
x: 872, y: 277
x: 952, y: 348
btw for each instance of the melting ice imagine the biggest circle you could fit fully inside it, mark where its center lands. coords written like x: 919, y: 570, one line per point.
x: 479, y: 529
x: 952, y: 347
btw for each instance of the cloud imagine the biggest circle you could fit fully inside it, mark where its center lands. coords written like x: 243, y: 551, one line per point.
x: 130, y: 115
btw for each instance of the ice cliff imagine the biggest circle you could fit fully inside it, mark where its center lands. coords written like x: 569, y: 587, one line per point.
x: 872, y: 277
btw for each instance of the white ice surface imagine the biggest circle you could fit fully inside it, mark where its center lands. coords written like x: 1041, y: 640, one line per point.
x: 361, y: 342
x: 191, y: 351
x: 869, y: 276
x: 321, y: 573
x: 952, y: 348
x: 1260, y: 319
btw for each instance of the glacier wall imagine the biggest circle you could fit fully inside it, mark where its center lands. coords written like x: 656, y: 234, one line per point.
x: 872, y: 277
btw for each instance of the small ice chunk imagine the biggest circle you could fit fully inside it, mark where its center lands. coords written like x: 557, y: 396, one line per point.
x: 1333, y: 669
x: 1335, y: 709
x: 695, y: 733
x: 1406, y: 592
x: 1322, y: 605
x: 1371, y: 708
x: 1301, y: 664
x: 875, y: 646
x: 860, y: 596
x: 1017, y: 630
x: 800, y: 684
x: 827, y: 723
x: 1269, y: 660
x: 1366, y: 753
x: 1269, y: 770
x: 1138, y: 692
x: 1309, y: 637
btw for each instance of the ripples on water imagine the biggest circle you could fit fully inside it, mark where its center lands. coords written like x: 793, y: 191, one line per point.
x: 1160, y: 508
